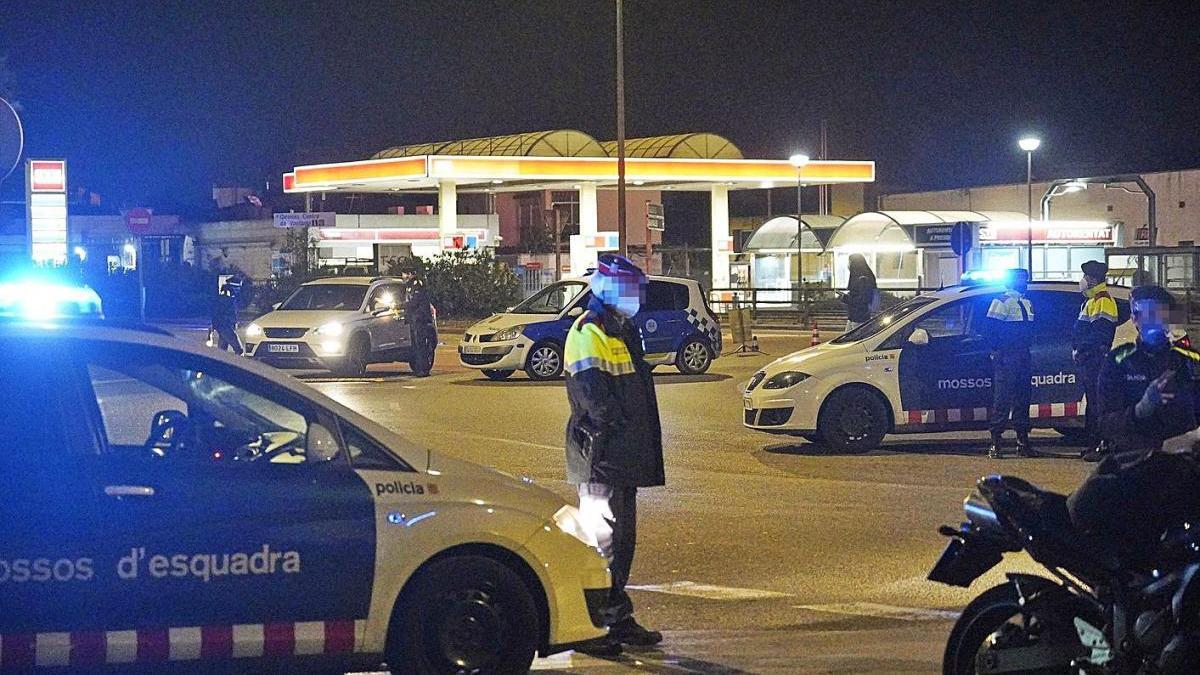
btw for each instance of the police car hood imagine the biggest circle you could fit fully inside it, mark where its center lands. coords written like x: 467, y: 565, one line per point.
x: 304, y: 318
x: 498, y: 322
x: 798, y: 360
x: 472, y: 481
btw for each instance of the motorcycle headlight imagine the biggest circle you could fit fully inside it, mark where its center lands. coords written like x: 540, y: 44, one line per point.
x: 508, y: 334
x: 254, y: 330
x: 331, y: 329
x: 785, y: 380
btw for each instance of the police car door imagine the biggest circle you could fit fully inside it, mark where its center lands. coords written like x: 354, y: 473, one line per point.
x: 945, y: 367
x: 50, y: 580
x: 662, y: 319
x: 1056, y: 387
x: 237, y: 512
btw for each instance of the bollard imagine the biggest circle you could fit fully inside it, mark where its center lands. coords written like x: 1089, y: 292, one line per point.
x: 754, y: 343
x: 816, y: 336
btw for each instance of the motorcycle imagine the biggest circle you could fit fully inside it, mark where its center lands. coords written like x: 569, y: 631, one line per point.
x: 1102, y: 612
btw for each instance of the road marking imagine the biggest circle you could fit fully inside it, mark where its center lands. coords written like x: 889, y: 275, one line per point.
x: 879, y: 611
x: 709, y: 592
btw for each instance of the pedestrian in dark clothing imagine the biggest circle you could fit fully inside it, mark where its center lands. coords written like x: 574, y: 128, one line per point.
x: 418, y: 311
x: 1009, y: 329
x: 862, y: 292
x: 1091, y: 341
x: 614, y: 438
x: 224, y: 319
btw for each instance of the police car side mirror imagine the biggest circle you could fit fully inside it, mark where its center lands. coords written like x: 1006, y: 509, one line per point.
x: 919, y: 337
x: 320, y: 445
x: 575, y: 312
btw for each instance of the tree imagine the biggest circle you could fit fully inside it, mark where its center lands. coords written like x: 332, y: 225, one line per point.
x: 464, y: 284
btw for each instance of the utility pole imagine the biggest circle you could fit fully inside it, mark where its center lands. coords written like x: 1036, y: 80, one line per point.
x: 622, y: 231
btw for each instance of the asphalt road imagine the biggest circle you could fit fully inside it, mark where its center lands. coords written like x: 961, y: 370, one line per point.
x: 761, y: 555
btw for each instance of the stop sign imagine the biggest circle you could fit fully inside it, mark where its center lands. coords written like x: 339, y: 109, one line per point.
x: 137, y: 220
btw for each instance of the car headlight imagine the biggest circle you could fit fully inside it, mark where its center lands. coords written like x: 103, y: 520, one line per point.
x: 785, y: 380
x: 571, y: 521
x: 508, y: 334
x: 331, y: 329
x: 254, y: 330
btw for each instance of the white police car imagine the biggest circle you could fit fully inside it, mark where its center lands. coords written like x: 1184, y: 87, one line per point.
x: 676, y: 324
x: 162, y: 503
x: 922, y: 366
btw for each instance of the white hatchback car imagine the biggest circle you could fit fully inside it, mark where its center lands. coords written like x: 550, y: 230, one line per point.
x: 166, y: 504
x: 921, y: 366
x: 340, y: 324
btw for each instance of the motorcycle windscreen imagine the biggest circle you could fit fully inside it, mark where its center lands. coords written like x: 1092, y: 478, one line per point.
x: 963, y: 562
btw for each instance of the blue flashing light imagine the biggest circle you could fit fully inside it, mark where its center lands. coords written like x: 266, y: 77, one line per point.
x: 38, y: 300
x: 984, y: 277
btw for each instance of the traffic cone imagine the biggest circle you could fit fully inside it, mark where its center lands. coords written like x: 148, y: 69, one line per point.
x: 816, y: 336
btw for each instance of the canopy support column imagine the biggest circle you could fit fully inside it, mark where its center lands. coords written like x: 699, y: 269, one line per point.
x: 447, y: 209
x: 721, y: 244
x: 588, y: 211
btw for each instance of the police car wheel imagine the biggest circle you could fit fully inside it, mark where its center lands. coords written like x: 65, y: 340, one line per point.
x: 545, y: 361
x: 498, y: 374
x: 466, y: 614
x: 693, y: 358
x: 853, y: 420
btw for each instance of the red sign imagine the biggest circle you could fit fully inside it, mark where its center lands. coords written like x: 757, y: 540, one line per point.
x: 47, y: 175
x: 137, y: 220
x: 533, y: 265
x: 1065, y: 234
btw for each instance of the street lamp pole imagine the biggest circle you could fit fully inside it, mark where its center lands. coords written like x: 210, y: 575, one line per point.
x: 799, y: 160
x: 1029, y: 144
x: 622, y: 227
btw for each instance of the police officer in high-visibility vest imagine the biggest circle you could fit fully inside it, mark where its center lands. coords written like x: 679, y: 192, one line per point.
x: 1091, y: 340
x: 1009, y: 328
x: 614, y: 438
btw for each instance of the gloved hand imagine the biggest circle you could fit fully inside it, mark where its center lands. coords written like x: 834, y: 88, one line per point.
x: 1156, y: 396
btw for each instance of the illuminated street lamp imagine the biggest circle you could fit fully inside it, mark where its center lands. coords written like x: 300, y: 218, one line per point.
x: 798, y: 160
x: 1028, y: 145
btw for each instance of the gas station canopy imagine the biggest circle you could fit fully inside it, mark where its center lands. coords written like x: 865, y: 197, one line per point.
x: 561, y: 160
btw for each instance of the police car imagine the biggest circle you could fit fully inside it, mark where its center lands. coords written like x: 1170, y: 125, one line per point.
x: 922, y: 366
x: 676, y: 324
x: 163, y: 503
x: 340, y: 324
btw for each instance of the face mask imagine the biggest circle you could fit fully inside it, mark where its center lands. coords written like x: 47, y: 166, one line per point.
x: 1083, y: 286
x: 628, y: 305
x: 1155, y: 336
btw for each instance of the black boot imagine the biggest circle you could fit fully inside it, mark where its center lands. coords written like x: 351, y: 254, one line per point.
x: 630, y: 632
x: 1094, y: 453
x: 606, y: 647
x: 997, y: 444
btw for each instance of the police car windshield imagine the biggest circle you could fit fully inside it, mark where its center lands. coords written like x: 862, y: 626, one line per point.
x: 551, y: 299
x: 883, y: 320
x: 348, y: 297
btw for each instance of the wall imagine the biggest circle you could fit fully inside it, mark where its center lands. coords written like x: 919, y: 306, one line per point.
x: 1175, y: 223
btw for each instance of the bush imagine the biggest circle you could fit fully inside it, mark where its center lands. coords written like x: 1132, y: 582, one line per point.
x: 464, y: 284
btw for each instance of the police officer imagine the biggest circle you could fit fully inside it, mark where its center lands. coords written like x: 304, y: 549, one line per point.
x: 1091, y: 341
x: 1149, y: 390
x: 418, y: 311
x: 614, y: 438
x: 224, y: 317
x: 1010, y: 332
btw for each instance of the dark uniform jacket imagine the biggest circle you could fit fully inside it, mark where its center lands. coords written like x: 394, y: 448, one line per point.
x: 224, y: 311
x: 1126, y: 373
x: 1096, y: 324
x: 614, y: 435
x: 858, y: 298
x: 417, y: 309
x: 1008, y: 327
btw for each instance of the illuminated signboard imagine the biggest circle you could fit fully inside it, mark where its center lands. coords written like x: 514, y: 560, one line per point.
x: 46, y: 210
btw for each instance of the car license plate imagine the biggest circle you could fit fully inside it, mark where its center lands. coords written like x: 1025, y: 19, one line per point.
x: 746, y: 403
x: 287, y: 349
x: 472, y: 349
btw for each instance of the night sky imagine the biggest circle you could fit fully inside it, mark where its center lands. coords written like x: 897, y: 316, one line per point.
x: 153, y: 102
